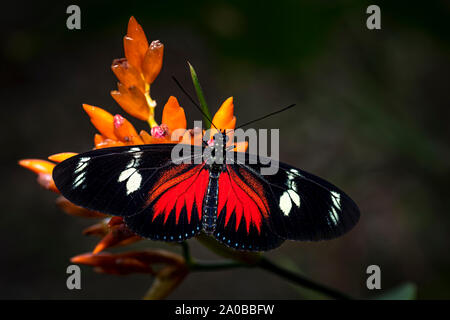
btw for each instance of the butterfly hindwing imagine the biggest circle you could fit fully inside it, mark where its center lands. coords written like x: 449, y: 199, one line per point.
x: 302, y: 206
x: 242, y: 213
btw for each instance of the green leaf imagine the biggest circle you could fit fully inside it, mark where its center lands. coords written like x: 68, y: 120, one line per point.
x: 405, y: 291
x: 201, y: 98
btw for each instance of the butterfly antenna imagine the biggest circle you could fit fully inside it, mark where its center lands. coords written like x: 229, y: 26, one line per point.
x: 193, y: 101
x: 266, y: 116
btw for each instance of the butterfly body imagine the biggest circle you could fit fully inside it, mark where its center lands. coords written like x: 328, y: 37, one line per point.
x: 224, y: 195
x: 210, y: 203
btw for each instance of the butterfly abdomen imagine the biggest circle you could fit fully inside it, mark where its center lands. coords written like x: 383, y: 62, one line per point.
x: 209, y: 217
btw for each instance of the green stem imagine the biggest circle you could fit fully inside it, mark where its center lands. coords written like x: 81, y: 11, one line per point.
x: 251, y: 260
x: 186, y: 252
x: 267, y: 265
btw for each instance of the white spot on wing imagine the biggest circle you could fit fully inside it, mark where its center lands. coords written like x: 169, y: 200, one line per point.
x: 134, y: 182
x: 285, y: 203
x: 79, y: 180
x: 80, y: 172
x: 125, y: 174
x: 336, y: 198
x: 336, y: 205
x: 294, y: 197
x: 82, y: 163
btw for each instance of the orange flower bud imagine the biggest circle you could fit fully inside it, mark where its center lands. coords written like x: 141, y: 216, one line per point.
x: 43, y: 169
x: 102, y: 120
x: 224, y: 117
x: 119, y: 264
x: 152, y: 63
x: 167, y: 279
x: 129, y: 262
x: 132, y: 100
x: 37, y: 165
x: 173, y: 115
x: 98, y: 229
x: 74, y: 210
x: 114, y: 221
x: 60, y: 157
x: 118, y: 235
x: 135, y: 44
x: 127, y: 74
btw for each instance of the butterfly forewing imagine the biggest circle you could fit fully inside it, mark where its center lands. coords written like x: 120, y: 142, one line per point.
x: 140, y: 183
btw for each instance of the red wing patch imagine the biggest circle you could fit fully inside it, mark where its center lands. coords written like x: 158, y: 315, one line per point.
x: 177, y: 191
x: 244, y: 200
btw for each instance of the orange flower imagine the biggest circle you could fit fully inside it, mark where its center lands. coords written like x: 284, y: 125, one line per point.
x: 136, y: 72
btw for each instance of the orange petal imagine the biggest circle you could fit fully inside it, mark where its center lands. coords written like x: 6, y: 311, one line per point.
x: 60, y: 157
x: 127, y: 74
x: 102, y: 120
x: 152, y: 63
x: 38, y: 166
x: 173, y: 115
x: 125, y: 131
x: 74, y: 210
x: 132, y: 100
x: 224, y: 118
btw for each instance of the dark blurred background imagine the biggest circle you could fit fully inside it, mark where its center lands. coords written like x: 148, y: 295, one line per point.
x: 372, y: 117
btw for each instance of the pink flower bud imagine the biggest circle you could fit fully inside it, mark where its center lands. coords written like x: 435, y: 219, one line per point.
x: 160, y: 131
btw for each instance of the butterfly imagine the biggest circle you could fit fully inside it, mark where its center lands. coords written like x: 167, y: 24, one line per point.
x: 209, y: 189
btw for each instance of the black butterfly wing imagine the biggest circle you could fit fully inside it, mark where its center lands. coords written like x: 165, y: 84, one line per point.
x: 134, y: 182
x: 302, y: 206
